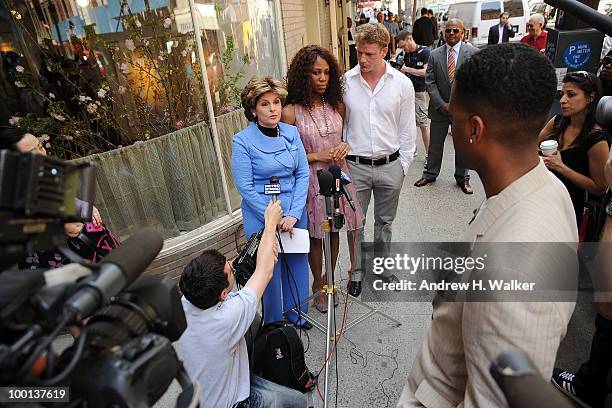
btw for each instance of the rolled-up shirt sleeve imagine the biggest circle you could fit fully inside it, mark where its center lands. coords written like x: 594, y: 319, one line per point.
x: 407, y: 127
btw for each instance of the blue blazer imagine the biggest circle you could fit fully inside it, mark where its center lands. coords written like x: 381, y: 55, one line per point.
x: 255, y: 158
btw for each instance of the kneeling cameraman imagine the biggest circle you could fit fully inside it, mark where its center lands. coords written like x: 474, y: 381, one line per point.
x: 213, y: 347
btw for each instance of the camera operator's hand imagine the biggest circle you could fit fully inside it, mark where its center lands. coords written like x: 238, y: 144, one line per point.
x: 268, y: 250
x: 273, y: 214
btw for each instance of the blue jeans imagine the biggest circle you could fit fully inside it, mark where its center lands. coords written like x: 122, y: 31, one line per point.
x: 266, y: 394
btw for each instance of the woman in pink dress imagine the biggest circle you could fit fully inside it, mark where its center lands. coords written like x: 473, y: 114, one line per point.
x: 315, y: 107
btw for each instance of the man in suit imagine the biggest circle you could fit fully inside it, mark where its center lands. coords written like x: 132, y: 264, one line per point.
x: 502, y: 32
x: 525, y: 204
x: 441, y: 68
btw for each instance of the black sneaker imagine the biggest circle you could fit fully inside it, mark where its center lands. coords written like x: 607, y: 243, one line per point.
x: 564, y: 381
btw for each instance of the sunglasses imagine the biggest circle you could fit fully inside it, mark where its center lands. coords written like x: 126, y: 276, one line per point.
x: 583, y: 75
x: 452, y: 30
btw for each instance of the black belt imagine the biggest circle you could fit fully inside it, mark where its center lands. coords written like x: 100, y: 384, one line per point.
x: 373, y: 162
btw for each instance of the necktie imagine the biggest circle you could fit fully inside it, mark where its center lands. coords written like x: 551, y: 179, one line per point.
x: 451, y: 64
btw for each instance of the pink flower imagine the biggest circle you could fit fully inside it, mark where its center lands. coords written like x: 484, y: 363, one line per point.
x: 138, y: 24
x: 184, y: 53
x: 121, y: 89
x: 125, y: 68
x: 14, y: 120
x: 179, y: 124
x: 19, y: 84
x: 19, y: 68
x: 167, y: 22
x: 57, y: 117
x: 101, y: 93
x: 92, y: 108
x: 160, y: 57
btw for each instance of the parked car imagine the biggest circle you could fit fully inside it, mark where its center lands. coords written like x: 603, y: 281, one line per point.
x: 480, y: 16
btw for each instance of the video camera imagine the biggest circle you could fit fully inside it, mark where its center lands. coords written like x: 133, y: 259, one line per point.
x: 122, y: 355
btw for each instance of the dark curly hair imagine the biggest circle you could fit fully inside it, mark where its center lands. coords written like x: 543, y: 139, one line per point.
x: 298, y: 78
x: 511, y: 84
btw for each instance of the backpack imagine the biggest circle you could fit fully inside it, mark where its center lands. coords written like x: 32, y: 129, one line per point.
x: 279, y: 357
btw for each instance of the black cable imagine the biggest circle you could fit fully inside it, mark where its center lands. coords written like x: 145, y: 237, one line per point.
x: 44, y: 344
x: 290, y: 273
x: 73, y: 362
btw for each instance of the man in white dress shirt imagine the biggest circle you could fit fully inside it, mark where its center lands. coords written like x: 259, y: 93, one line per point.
x: 380, y: 129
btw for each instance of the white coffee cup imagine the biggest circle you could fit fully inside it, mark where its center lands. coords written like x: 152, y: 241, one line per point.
x: 549, y: 147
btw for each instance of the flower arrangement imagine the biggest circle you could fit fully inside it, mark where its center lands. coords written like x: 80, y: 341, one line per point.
x: 113, y: 92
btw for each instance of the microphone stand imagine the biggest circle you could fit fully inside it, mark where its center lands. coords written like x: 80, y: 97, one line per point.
x: 330, y: 287
x: 333, y: 222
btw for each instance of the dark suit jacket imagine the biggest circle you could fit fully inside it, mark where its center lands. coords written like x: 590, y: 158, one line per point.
x: 436, y: 79
x: 494, y: 34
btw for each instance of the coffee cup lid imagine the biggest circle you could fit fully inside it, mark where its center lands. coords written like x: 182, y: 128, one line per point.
x: 549, y: 144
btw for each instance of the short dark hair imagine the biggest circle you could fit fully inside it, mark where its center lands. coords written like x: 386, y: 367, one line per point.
x: 424, y: 11
x: 429, y: 11
x: 402, y: 35
x: 9, y: 137
x: 513, y: 85
x: 203, y: 279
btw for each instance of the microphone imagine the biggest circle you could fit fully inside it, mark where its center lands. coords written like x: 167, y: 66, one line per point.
x: 117, y: 270
x: 522, y: 384
x: 341, y: 180
x: 273, y: 188
x: 326, y: 182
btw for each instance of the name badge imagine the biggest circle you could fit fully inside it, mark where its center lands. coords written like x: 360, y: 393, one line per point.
x: 419, y: 64
x: 270, y: 189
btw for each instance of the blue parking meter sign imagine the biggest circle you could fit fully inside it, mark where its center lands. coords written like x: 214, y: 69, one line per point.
x: 577, y: 54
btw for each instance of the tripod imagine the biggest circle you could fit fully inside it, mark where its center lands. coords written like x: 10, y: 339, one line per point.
x: 334, y: 219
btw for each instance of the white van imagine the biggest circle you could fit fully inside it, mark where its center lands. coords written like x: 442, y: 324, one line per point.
x: 480, y: 16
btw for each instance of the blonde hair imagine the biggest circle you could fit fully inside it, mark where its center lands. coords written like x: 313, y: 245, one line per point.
x: 258, y: 86
x: 373, y: 33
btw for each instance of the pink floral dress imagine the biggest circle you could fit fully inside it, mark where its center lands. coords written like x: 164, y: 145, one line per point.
x: 314, y: 142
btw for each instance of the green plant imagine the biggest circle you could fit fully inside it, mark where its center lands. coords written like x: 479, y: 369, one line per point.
x: 229, y: 91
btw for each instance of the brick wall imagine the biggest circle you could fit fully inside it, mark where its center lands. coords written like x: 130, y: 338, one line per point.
x: 294, y: 26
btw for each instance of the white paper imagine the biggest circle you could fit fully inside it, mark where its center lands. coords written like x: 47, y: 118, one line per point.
x: 299, y: 244
x: 560, y: 74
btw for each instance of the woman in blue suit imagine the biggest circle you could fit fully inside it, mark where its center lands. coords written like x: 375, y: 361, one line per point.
x: 268, y: 148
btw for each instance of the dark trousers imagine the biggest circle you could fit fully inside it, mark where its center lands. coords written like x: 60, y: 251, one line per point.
x: 438, y: 132
x: 593, y: 381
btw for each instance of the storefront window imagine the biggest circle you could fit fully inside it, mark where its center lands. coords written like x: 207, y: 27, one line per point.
x: 93, y: 75
x: 240, y: 40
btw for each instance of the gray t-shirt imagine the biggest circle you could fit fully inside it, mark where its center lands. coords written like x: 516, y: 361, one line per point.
x: 213, y: 349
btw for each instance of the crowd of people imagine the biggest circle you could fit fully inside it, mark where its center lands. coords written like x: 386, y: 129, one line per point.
x: 365, y: 121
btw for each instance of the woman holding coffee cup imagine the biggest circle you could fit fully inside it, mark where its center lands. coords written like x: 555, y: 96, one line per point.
x: 574, y: 145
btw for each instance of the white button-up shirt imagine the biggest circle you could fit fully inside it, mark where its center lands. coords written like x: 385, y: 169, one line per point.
x: 501, y: 33
x: 378, y: 122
